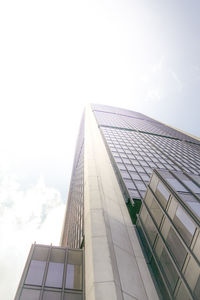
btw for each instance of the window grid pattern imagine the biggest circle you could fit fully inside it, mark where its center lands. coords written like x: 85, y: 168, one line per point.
x: 167, y: 220
x: 75, y: 212
x: 185, y: 155
x: 136, y: 147
x: 73, y: 231
x: 121, y: 118
x: 60, y: 279
x: 136, y: 157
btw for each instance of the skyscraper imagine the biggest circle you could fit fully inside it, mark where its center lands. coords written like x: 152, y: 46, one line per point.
x: 133, y: 214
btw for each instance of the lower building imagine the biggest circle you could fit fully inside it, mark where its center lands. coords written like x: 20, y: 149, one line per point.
x: 52, y: 273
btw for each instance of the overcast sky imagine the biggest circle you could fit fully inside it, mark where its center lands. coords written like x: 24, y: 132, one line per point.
x: 57, y: 56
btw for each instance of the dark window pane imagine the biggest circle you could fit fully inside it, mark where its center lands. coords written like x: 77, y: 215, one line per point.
x: 70, y: 296
x: 28, y: 294
x: 74, y: 270
x: 150, y: 228
x: 50, y: 295
x: 178, y: 250
x: 169, y: 269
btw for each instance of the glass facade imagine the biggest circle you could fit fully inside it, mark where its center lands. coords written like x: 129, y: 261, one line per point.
x: 52, y: 273
x: 169, y: 229
x: 73, y: 230
x: 138, y: 144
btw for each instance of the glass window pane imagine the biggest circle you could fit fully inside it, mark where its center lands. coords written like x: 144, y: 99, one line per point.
x: 74, y: 270
x: 162, y: 193
x: 134, y: 175
x: 196, y: 248
x: 150, y: 228
x: 35, y: 272
x: 176, y: 185
x: 156, y: 212
x: 192, y: 186
x: 140, y: 185
x: 182, y: 293
x: 197, y: 288
x: 192, y: 274
x: 55, y: 274
x: 178, y: 250
x: 28, y: 294
x: 50, y: 295
x: 184, y: 224
x: 37, y: 266
x: 56, y: 266
x: 167, y: 265
x: 70, y: 296
x: 191, y: 202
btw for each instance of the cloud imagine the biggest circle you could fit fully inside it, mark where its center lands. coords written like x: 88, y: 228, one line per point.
x: 26, y: 215
x: 160, y: 81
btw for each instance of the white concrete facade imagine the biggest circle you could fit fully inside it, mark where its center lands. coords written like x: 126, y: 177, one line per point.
x: 115, y: 267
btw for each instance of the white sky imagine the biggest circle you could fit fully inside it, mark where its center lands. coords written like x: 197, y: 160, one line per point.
x: 57, y: 56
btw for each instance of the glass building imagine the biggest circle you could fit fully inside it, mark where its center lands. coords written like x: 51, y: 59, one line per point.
x: 132, y: 217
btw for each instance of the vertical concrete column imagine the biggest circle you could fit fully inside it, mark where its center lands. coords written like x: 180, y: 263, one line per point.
x: 115, y: 267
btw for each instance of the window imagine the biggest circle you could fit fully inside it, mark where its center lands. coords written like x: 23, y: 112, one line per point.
x: 140, y: 185
x: 191, y: 202
x: 148, y: 224
x: 192, y: 276
x: 178, y: 250
x: 193, y: 187
x: 74, y: 270
x: 28, y: 294
x: 129, y: 183
x: 167, y: 265
x: 56, y: 267
x: 37, y: 266
x: 162, y: 193
x: 154, y: 208
x: 176, y: 185
x: 134, y: 175
x: 184, y: 224
x: 70, y: 296
x: 125, y: 174
x: 50, y: 295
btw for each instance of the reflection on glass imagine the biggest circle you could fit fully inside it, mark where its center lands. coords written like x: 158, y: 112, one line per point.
x: 74, y: 270
x: 178, y: 250
x: 184, y: 224
x: 162, y: 193
x: 192, y: 275
x: 192, y: 186
x: 182, y: 293
x: 37, y: 266
x: 35, y: 272
x: 197, y: 247
x: 149, y: 226
x: 176, y: 185
x: 55, y: 269
x: 28, y: 294
x: 55, y: 274
x: 70, y: 296
x: 70, y: 276
x: 167, y: 265
x: 50, y: 295
x: 154, y: 208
